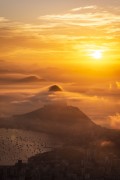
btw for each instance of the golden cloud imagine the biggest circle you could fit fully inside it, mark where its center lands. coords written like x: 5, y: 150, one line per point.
x: 115, y: 121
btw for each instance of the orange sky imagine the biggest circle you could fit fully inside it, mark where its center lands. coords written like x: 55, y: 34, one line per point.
x: 58, y: 42
x: 67, y: 37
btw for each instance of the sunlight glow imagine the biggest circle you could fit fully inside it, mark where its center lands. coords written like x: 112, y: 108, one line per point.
x: 97, y: 54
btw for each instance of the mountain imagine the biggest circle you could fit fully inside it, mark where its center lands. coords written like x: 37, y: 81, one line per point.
x: 60, y: 124
x: 55, y: 88
x: 65, y: 122
x: 26, y: 79
x: 55, y: 119
x: 30, y: 79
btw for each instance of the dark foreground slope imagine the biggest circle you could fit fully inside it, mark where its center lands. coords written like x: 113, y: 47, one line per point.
x: 75, y: 164
x: 69, y: 163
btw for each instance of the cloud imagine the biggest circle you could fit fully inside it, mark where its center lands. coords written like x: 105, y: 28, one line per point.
x: 84, y: 8
x: 118, y: 84
x: 47, y: 95
x: 97, y: 18
x: 114, y: 121
x: 100, y: 104
x: 96, y: 103
x: 29, y: 100
x: 3, y: 20
x: 24, y: 39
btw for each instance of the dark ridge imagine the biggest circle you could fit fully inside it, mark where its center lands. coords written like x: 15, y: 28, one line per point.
x: 54, y: 88
x: 30, y: 79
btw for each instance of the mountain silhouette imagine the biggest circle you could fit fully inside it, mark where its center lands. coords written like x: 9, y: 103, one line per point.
x: 30, y: 79
x: 54, y: 88
x: 26, y: 79
x: 68, y: 123
x: 55, y: 118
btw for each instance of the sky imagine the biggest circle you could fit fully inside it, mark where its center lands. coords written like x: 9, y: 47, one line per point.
x: 72, y: 43
x: 50, y: 30
x: 29, y: 10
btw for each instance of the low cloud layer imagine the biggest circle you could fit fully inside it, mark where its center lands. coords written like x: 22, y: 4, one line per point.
x: 100, y: 107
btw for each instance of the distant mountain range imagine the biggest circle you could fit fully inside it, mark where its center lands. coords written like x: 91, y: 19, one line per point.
x: 30, y: 79
x: 26, y: 79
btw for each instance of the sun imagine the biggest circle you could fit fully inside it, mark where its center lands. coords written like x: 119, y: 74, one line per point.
x: 96, y: 54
